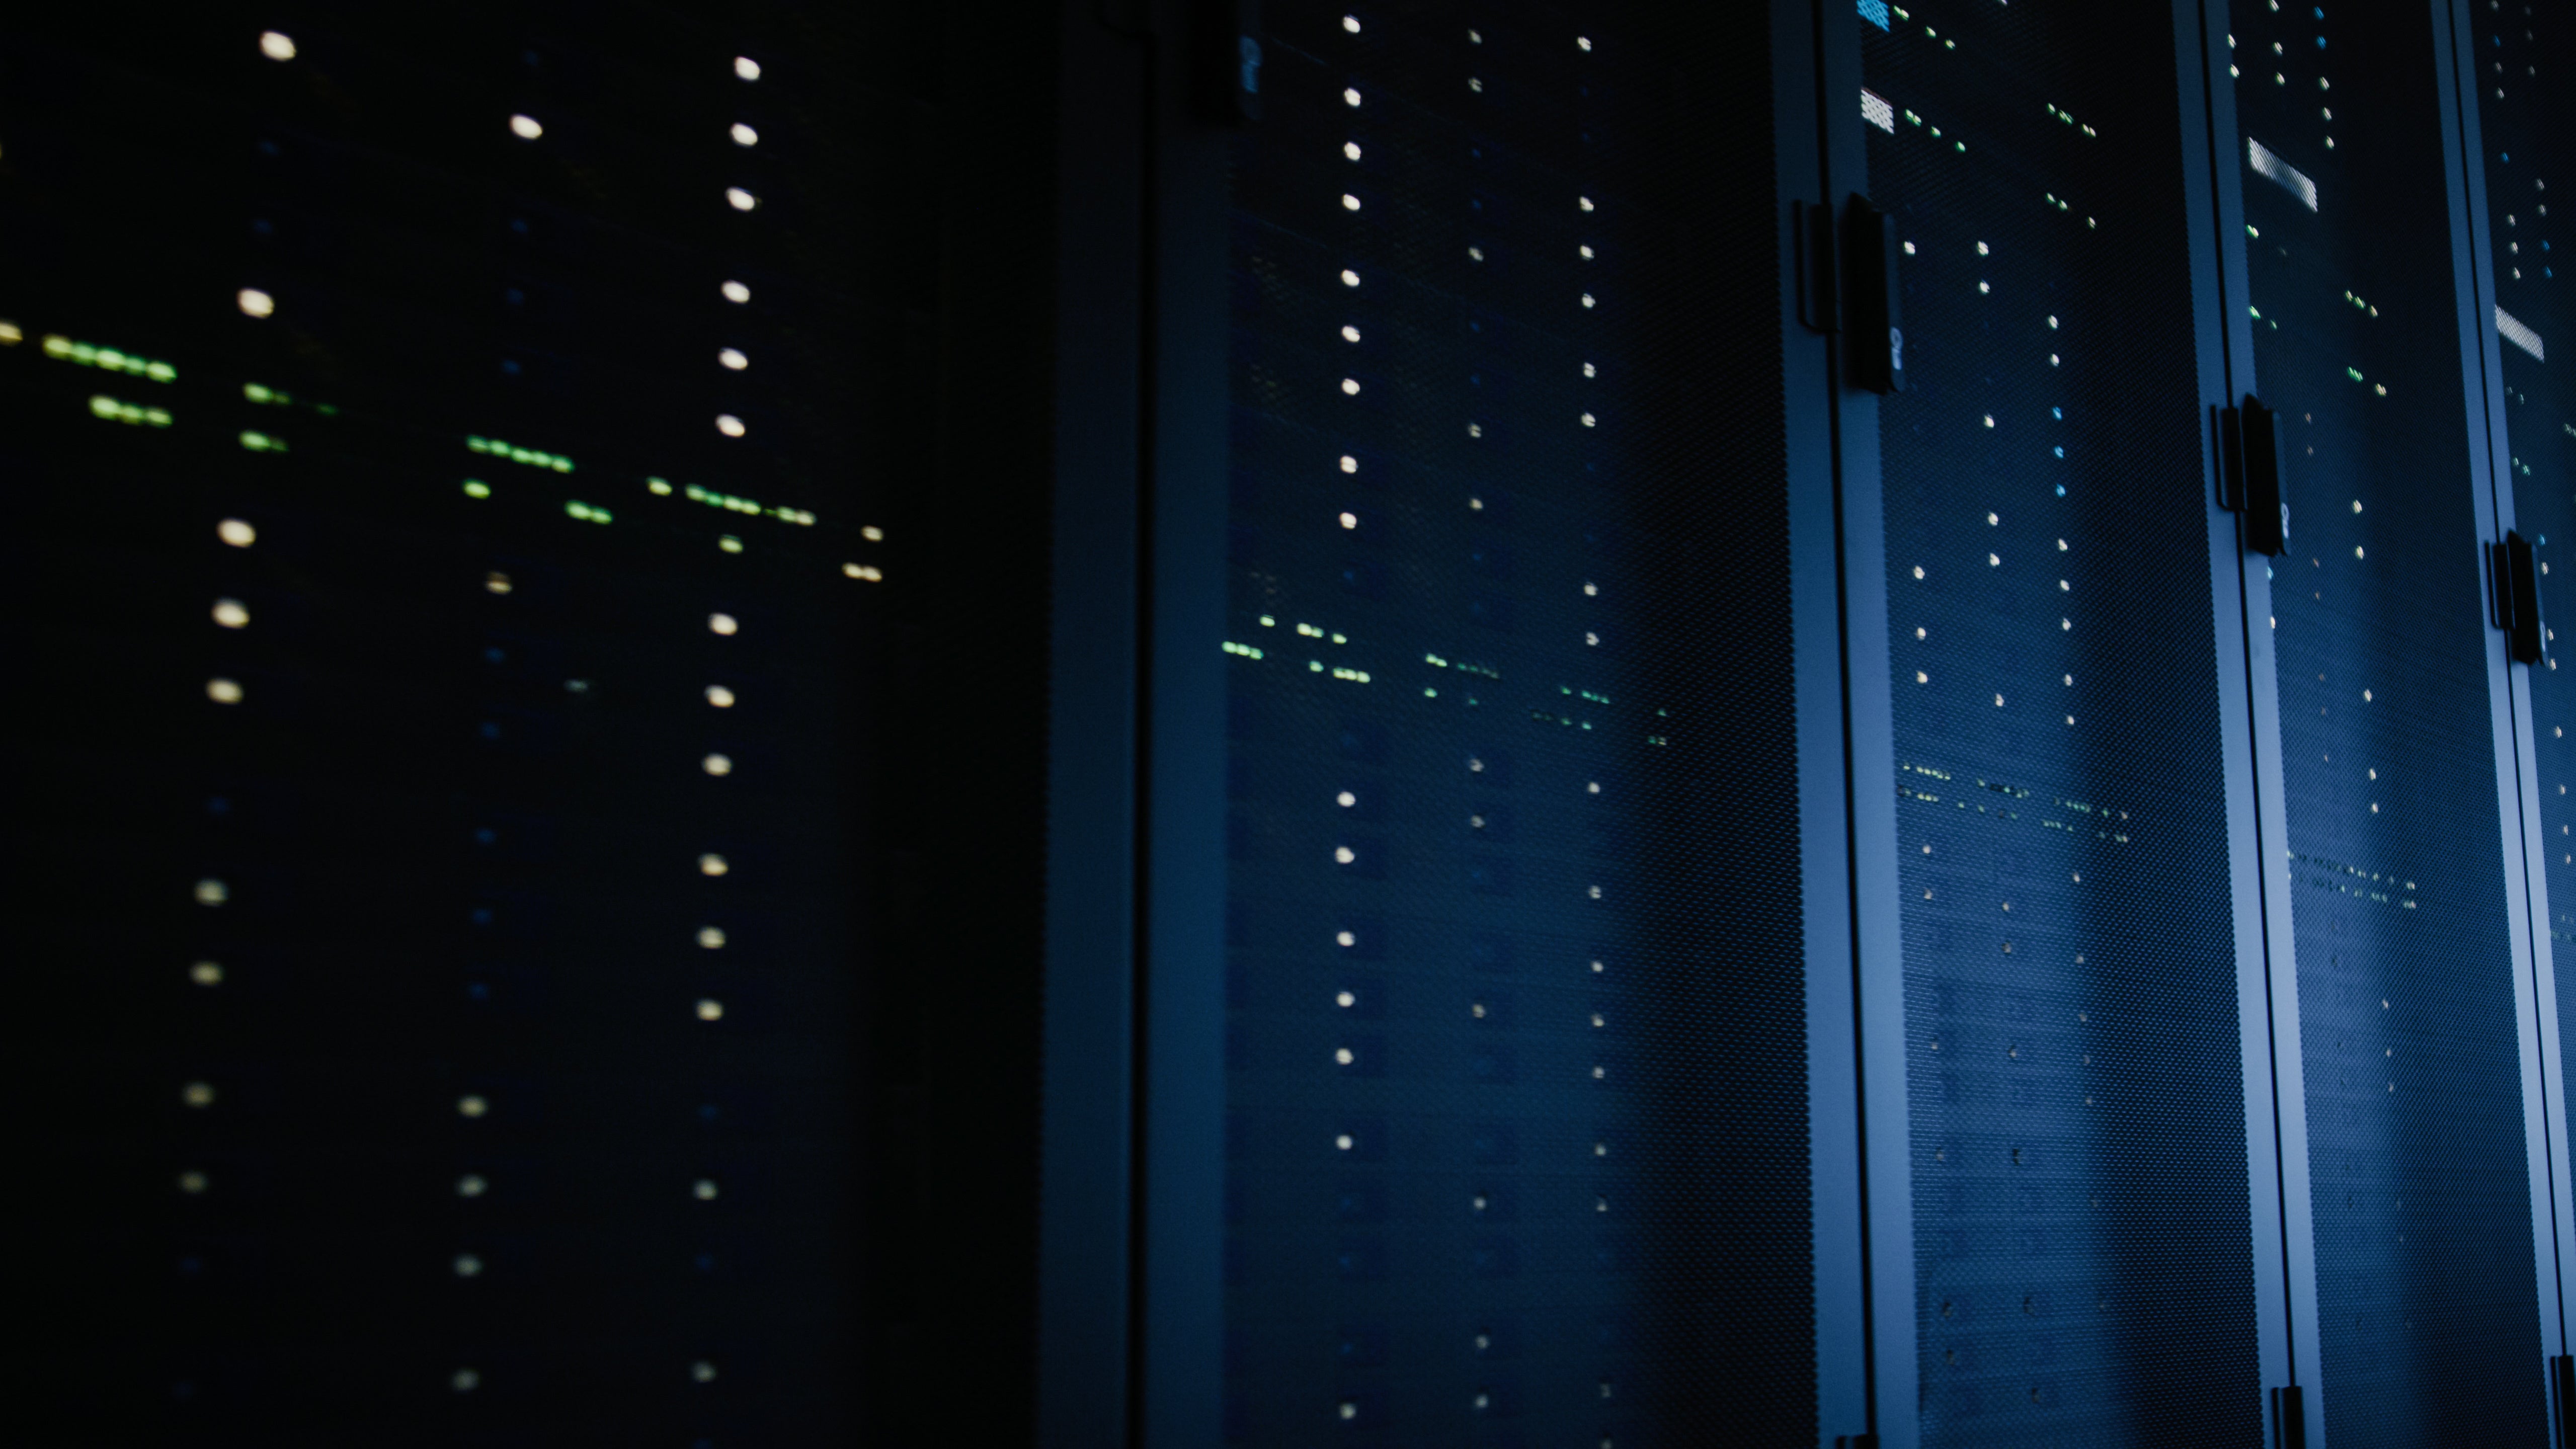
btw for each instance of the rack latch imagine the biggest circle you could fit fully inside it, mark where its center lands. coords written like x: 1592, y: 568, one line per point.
x: 1870, y: 313
x: 2289, y: 1419
x: 2513, y: 573
x: 2250, y: 474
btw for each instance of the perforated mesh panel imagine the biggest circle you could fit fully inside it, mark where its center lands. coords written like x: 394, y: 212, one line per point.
x: 2425, y: 1294
x: 1517, y: 1128
x: 2082, y: 1236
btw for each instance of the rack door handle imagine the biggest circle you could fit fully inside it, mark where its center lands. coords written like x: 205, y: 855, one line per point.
x: 2250, y: 474
x: 2513, y: 572
x: 1873, y: 321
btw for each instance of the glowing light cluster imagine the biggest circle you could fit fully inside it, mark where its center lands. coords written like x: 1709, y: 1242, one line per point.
x: 110, y: 359
x: 116, y: 410
x: 530, y: 457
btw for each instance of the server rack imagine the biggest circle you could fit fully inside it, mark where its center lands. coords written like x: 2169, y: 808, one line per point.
x: 2047, y: 488
x: 1462, y: 1145
x: 2375, y: 88
x: 525, y: 802
x: 2510, y: 156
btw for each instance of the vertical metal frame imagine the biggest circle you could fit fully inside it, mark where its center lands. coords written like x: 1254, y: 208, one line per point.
x: 1825, y: 833
x: 1130, y: 1321
x: 2239, y: 615
x: 1086, y: 1148
x: 2508, y: 684
x: 2267, y: 971
x: 1179, y: 1219
x: 1869, y: 739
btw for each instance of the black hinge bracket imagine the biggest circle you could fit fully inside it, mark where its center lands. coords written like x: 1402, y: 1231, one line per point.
x: 2289, y: 1418
x: 1820, y: 292
x: 2562, y: 1383
x: 1229, y: 46
x: 1870, y: 312
x: 2513, y: 577
x: 2249, y: 474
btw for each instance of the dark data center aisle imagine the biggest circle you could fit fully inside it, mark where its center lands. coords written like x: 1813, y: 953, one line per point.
x: 1142, y: 724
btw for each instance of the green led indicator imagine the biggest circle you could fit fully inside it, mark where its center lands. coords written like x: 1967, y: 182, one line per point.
x: 263, y: 443
x: 516, y: 454
x: 477, y: 488
x: 116, y: 411
x: 585, y: 512
x: 112, y: 359
x: 714, y: 499
x: 734, y: 504
x: 272, y: 397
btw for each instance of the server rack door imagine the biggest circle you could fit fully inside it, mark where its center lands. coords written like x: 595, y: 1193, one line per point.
x: 2427, y: 1181
x: 2094, y: 1232
x: 2516, y: 150
x: 455, y: 454
x: 1515, y: 1077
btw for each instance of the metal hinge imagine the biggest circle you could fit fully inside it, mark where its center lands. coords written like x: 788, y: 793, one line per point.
x: 2249, y: 474
x: 2513, y: 576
